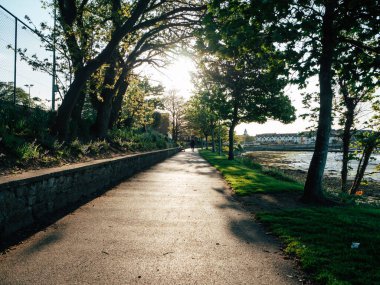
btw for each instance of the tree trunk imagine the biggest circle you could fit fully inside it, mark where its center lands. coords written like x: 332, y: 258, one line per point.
x: 117, y: 105
x: 346, y: 139
x: 206, y: 139
x: 367, y: 152
x: 102, y: 118
x: 313, y: 192
x: 76, y: 123
x: 234, y: 122
x: 118, y: 100
x: 61, y: 125
x: 220, y: 140
x: 231, y: 141
x: 177, y: 130
x: 369, y: 147
x: 213, y: 139
x: 174, y: 129
x: 104, y: 108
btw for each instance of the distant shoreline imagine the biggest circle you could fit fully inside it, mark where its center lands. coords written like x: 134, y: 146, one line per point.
x: 371, y: 190
x: 289, y: 147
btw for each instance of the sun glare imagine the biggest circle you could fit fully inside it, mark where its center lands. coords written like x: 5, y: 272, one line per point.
x: 176, y: 75
x: 179, y: 76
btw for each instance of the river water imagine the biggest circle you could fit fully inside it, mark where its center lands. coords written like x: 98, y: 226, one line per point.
x: 296, y: 160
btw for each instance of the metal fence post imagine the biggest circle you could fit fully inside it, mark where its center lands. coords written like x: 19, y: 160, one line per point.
x: 15, y: 65
x: 54, y: 61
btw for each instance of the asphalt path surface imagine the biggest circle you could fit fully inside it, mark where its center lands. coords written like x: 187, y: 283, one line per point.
x: 174, y: 223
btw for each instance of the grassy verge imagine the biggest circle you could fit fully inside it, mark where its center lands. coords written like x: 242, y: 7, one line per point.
x: 248, y: 178
x: 321, y: 238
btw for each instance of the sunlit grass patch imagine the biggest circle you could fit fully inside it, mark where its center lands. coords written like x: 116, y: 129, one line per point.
x: 322, y: 238
x: 248, y: 179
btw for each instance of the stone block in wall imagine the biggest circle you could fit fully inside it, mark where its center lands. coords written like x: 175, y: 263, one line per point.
x: 31, y: 198
x: 51, y: 182
x: 60, y: 201
x: 40, y: 191
x: 73, y: 197
x: 3, y: 199
x: 21, y: 218
x: 39, y: 210
x: 50, y: 205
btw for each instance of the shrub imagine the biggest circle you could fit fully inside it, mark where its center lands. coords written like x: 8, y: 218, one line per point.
x: 28, y: 151
x: 78, y: 148
x: 97, y: 147
x: 139, y: 140
x: 11, y: 142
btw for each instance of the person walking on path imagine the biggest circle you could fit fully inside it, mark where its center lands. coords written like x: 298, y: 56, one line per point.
x: 192, y: 144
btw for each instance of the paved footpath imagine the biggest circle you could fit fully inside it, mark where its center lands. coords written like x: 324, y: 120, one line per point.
x: 172, y: 224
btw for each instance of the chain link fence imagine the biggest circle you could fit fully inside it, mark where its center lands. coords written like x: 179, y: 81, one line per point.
x: 26, y: 65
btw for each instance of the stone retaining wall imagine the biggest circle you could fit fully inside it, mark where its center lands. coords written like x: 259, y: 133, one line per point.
x: 26, y: 199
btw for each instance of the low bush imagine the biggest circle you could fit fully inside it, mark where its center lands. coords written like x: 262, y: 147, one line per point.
x: 139, y: 140
x: 25, y: 140
x: 28, y: 151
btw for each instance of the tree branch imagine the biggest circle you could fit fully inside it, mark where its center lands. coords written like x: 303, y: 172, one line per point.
x: 360, y: 45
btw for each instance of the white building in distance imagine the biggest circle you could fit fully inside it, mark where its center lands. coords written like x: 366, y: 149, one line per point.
x: 293, y: 138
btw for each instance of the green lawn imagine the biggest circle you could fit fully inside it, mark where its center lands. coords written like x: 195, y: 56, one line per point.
x: 322, y: 237
x: 247, y: 180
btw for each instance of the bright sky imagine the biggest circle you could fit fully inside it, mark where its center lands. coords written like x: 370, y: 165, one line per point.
x: 175, y: 76
x: 40, y: 82
x: 32, y: 8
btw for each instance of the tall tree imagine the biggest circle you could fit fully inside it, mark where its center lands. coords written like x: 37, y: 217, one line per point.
x: 357, y: 78
x: 139, y: 103
x: 312, y: 33
x: 201, y: 116
x: 175, y: 105
x: 249, y: 94
x: 367, y: 142
x: 137, y: 18
x: 150, y: 48
x: 6, y: 94
x: 352, y: 96
x: 246, y: 66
